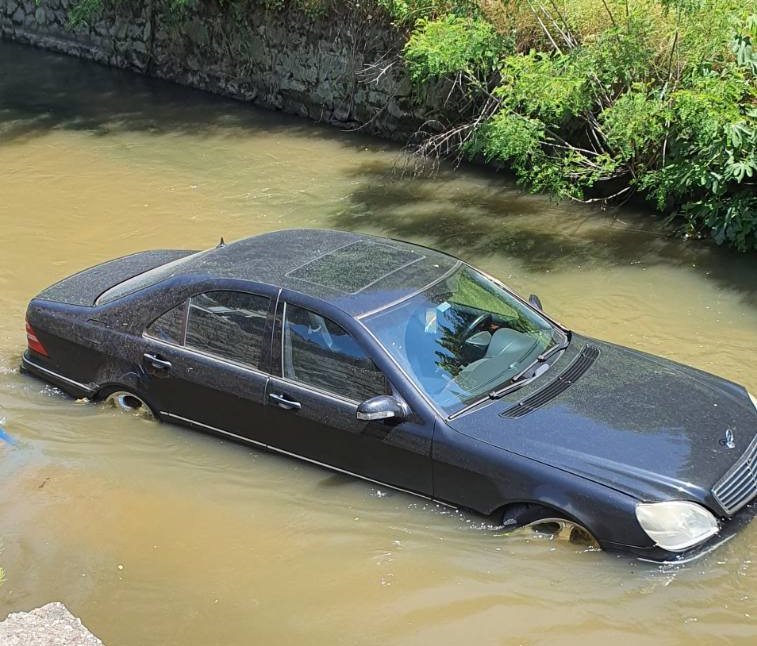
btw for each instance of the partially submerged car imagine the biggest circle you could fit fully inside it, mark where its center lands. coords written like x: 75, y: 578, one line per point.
x: 407, y: 367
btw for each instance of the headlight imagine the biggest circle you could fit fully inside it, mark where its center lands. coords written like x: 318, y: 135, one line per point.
x: 753, y: 398
x: 676, y: 525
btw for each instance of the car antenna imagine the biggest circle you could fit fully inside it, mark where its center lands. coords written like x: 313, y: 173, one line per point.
x: 221, y: 243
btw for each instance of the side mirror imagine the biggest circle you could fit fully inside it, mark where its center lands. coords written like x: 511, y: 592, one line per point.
x: 534, y: 300
x: 381, y: 407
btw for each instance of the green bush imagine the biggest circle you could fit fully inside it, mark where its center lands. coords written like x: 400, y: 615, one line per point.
x: 409, y: 11
x: 660, y: 99
x: 450, y: 45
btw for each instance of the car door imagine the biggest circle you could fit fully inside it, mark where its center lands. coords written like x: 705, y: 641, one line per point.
x: 324, y: 372
x: 205, y: 361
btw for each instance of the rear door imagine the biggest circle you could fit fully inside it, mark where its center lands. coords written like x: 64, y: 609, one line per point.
x: 322, y: 372
x: 206, y: 361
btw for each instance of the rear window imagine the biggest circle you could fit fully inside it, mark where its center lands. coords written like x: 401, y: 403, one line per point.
x: 146, y: 279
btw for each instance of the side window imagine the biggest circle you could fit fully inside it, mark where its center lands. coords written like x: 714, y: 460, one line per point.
x: 319, y: 353
x: 228, y: 325
x: 170, y: 326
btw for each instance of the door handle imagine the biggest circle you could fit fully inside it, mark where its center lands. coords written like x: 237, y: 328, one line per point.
x: 156, y: 362
x: 284, y: 402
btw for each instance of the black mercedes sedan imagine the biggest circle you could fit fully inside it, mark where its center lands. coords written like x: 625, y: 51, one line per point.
x: 407, y: 367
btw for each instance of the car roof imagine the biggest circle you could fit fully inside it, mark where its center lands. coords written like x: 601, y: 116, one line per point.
x: 356, y: 272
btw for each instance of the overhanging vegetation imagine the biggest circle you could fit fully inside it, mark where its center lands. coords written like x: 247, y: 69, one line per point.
x: 590, y: 100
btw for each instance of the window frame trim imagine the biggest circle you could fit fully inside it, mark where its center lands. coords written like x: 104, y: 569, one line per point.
x: 320, y: 391
x: 206, y: 355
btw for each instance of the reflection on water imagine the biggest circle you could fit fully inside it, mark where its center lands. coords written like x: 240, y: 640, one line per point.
x: 154, y: 534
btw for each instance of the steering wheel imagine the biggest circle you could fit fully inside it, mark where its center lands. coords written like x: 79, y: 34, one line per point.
x: 486, y: 317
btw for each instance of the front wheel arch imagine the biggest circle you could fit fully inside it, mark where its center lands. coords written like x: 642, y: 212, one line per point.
x: 529, y: 514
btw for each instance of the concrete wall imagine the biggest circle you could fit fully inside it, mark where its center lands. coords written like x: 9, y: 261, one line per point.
x: 316, y: 67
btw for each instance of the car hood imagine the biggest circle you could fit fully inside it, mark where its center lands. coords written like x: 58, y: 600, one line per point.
x: 649, y: 427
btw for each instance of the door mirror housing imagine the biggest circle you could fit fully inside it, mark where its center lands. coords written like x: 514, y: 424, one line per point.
x: 381, y: 407
x: 535, y: 301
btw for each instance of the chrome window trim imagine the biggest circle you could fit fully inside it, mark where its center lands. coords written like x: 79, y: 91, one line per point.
x: 300, y: 457
x: 283, y: 325
x: 185, y: 320
x: 318, y: 391
x: 206, y: 355
x: 89, y: 388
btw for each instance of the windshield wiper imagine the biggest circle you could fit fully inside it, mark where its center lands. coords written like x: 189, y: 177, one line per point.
x: 518, y: 380
x: 494, y: 394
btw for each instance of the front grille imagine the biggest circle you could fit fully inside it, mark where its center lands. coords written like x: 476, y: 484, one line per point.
x: 580, y: 365
x: 739, y: 485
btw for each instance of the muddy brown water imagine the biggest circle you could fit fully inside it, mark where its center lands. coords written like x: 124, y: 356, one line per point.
x: 154, y: 534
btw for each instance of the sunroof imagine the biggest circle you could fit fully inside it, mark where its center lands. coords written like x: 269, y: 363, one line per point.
x: 354, y: 267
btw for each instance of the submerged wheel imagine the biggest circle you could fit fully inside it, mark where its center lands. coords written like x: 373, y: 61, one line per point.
x: 127, y: 402
x: 548, y: 522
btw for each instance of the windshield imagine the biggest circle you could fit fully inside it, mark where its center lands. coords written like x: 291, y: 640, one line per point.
x: 462, y: 338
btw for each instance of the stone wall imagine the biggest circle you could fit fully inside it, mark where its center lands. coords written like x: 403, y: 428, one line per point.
x: 329, y: 68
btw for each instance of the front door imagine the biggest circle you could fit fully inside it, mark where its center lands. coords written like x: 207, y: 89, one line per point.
x: 323, y: 374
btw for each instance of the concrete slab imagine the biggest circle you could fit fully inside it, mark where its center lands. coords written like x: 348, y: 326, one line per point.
x: 50, y: 625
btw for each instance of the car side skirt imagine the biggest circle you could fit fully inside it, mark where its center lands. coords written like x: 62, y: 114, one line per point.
x: 247, y: 440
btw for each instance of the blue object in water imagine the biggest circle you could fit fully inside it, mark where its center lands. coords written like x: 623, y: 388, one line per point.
x: 4, y: 437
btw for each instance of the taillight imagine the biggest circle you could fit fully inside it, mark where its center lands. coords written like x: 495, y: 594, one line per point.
x: 34, y: 343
